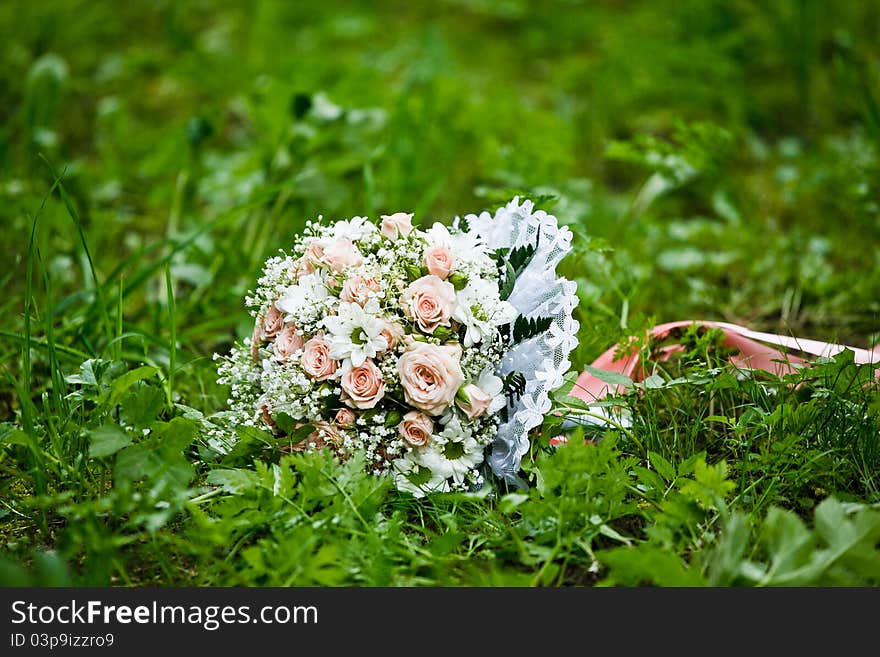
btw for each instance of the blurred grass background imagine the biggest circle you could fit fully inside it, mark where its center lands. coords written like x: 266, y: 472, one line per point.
x: 716, y: 159
x: 240, y: 120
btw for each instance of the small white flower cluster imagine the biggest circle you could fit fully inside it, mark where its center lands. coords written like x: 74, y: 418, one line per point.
x: 276, y: 276
x: 382, y: 338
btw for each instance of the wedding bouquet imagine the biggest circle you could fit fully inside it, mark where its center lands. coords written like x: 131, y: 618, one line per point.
x: 433, y: 350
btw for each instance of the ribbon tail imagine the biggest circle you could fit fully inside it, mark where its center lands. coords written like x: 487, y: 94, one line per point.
x: 753, y: 349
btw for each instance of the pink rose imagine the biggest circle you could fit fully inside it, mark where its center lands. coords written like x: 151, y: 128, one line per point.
x: 397, y: 224
x: 302, y: 267
x: 273, y: 321
x: 341, y: 255
x: 393, y: 333
x: 416, y: 429
x: 345, y: 417
x: 429, y: 302
x: 479, y: 401
x: 363, y: 387
x: 287, y: 343
x: 430, y: 376
x: 266, y: 327
x: 357, y: 289
x: 316, y: 359
x: 439, y: 261
x: 324, y: 434
x: 314, y: 255
x: 267, y: 417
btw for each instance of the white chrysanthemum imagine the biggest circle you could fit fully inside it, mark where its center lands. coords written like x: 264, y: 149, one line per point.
x: 492, y: 385
x: 480, y: 309
x: 300, y: 299
x: 354, y: 229
x: 454, y: 452
x: 409, y: 467
x: 355, y: 334
x: 467, y: 247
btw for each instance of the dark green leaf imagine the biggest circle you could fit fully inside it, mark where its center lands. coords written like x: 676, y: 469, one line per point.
x: 107, y: 440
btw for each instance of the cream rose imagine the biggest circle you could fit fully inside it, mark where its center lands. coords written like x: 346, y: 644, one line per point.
x: 397, y: 224
x: 287, y: 343
x: 430, y: 376
x: 358, y: 289
x: 342, y: 254
x: 363, y: 386
x: 263, y: 407
x: 479, y: 401
x: 316, y: 359
x: 314, y: 255
x: 393, y: 333
x: 323, y: 435
x: 302, y: 267
x: 439, y: 261
x: 416, y: 429
x: 429, y: 301
x: 273, y: 322
x: 345, y: 417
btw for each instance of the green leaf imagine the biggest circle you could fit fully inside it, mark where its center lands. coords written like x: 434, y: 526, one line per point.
x: 121, y: 384
x: 687, y: 466
x: 301, y: 433
x: 508, y: 283
x: 443, y: 333
x: 650, y: 480
x: 159, y: 459
x: 614, y: 378
x: 141, y: 406
x: 285, y: 422
x: 613, y: 534
x: 12, y: 574
x: 233, y: 480
x: 789, y: 544
x: 393, y: 418
x: 251, y: 441
x: 107, y: 440
x: 710, y: 486
x: 727, y: 558
x: 413, y: 272
x: 662, y: 466
x: 13, y: 435
x: 86, y: 375
x: 459, y: 281
x: 510, y: 502
x: 654, y: 381
x: 646, y: 564
x: 523, y: 328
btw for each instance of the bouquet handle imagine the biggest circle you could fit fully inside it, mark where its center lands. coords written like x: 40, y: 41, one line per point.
x: 754, y: 352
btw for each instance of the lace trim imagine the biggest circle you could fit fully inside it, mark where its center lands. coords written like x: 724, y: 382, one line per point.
x: 538, y: 292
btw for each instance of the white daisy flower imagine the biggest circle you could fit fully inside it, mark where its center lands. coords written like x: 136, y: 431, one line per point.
x: 467, y: 247
x: 355, y: 334
x: 411, y: 467
x: 479, y: 309
x: 492, y: 385
x: 354, y: 229
x: 454, y: 452
x: 299, y: 299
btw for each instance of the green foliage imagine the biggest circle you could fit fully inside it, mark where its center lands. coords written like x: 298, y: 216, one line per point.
x: 513, y: 262
x: 714, y: 160
x: 524, y: 328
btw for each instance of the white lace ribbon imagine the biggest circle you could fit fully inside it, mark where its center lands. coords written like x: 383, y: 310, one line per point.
x: 538, y: 292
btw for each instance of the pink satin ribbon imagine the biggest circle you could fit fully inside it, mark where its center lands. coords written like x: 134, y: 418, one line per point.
x: 754, y: 353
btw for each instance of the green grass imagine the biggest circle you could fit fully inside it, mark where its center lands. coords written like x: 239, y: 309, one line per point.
x: 716, y: 160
